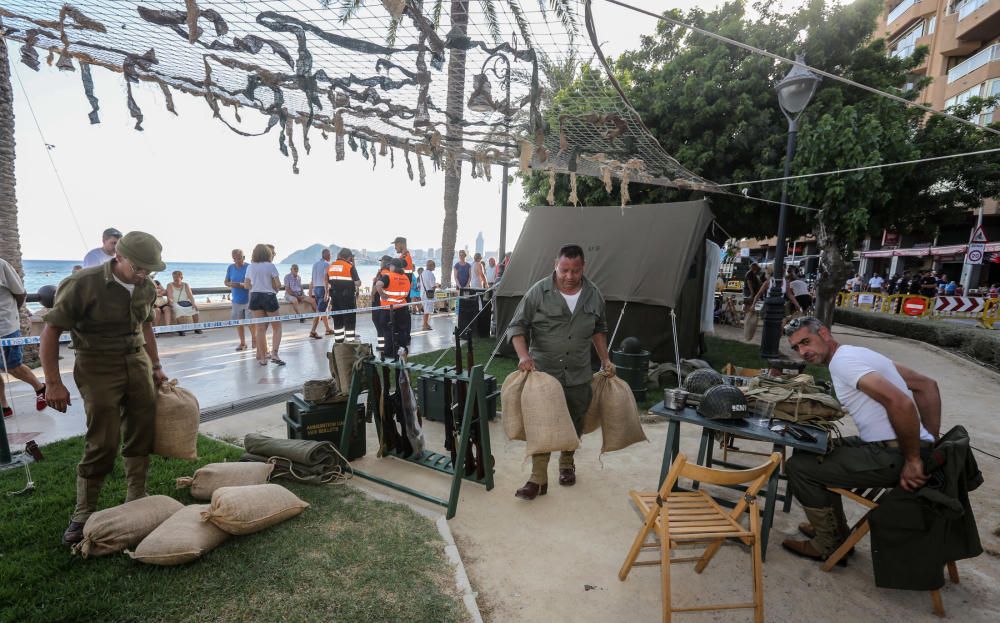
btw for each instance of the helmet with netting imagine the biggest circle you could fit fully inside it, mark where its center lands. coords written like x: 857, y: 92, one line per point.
x: 723, y: 402
x: 699, y: 381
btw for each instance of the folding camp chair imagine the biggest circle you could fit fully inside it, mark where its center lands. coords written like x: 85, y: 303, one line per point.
x: 869, y: 498
x: 679, y: 517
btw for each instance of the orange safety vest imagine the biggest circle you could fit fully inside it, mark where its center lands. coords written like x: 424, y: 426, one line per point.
x: 339, y: 271
x: 408, y: 259
x: 396, y: 292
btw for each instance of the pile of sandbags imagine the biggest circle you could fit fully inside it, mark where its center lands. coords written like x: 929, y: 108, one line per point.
x: 164, y: 532
x: 176, y: 423
x: 534, y: 410
x: 613, y: 410
x: 216, y: 475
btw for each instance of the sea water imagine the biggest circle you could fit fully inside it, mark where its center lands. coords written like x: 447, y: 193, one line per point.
x: 38, y: 273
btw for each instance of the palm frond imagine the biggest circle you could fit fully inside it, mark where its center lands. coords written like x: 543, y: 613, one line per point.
x: 564, y: 9
x: 390, y: 34
x: 492, y: 22
x: 438, y: 7
x: 347, y: 8
x: 542, y: 8
x: 522, y: 23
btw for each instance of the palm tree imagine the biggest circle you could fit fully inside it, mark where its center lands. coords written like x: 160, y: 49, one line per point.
x: 455, y: 101
x: 10, y: 241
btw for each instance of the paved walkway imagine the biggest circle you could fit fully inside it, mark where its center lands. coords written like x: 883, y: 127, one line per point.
x: 210, y: 367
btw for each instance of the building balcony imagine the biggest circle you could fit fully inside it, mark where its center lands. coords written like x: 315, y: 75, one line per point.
x: 974, y: 70
x: 948, y: 43
x: 906, y: 13
x: 978, y: 19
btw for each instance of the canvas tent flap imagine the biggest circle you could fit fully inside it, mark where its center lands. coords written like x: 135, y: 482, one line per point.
x: 639, y: 253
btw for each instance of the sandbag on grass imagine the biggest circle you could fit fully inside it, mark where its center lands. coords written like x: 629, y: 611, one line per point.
x: 126, y: 525
x: 510, y: 403
x: 176, y: 424
x: 547, y: 423
x: 184, y: 537
x: 245, y: 510
x: 216, y: 475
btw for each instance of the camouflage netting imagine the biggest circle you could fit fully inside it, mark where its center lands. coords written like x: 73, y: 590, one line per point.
x: 376, y: 82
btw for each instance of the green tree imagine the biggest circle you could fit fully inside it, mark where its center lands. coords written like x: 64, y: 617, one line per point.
x: 714, y: 108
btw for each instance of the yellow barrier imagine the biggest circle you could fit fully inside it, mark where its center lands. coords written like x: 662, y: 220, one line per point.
x: 895, y: 304
x: 991, y: 313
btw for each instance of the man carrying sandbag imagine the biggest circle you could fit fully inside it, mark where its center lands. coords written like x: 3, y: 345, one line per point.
x: 108, y: 310
x: 562, y: 315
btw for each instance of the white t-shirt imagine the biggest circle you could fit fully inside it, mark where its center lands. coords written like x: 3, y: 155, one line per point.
x: 96, y: 257
x: 428, y: 281
x: 571, y: 299
x: 259, y: 274
x: 10, y: 285
x: 848, y: 365
x: 799, y: 287
x: 128, y: 286
x: 875, y: 282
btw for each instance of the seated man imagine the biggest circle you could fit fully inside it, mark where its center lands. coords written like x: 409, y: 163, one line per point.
x: 897, y: 412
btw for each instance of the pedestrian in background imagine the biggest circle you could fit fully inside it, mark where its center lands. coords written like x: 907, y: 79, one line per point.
x: 491, y: 272
x: 263, y: 283
x: 428, y: 281
x: 236, y: 274
x: 321, y: 293
x: 295, y: 295
x: 182, y: 301
x: 105, y: 252
x: 12, y: 297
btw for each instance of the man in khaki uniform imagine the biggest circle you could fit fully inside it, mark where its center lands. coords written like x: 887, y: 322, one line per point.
x: 108, y: 310
x: 563, y: 314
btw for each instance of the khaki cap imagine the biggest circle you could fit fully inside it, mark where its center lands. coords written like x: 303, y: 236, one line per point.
x: 143, y: 250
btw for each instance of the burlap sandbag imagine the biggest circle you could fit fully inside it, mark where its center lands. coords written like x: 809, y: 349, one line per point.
x: 181, y: 539
x: 510, y: 404
x: 114, y: 529
x: 347, y: 357
x: 620, y: 426
x: 245, y: 510
x: 177, y: 414
x: 547, y: 424
x: 217, y: 475
x: 592, y: 419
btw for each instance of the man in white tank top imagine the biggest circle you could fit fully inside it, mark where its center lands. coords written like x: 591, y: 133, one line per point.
x: 897, y: 411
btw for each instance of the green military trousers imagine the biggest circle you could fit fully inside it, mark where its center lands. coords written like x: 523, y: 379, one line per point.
x: 852, y: 463
x: 577, y: 401
x: 120, y: 402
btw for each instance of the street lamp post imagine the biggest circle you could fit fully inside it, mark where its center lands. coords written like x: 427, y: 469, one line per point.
x: 794, y: 92
x: 481, y: 100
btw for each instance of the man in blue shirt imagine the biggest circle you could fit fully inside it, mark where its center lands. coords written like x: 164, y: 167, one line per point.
x: 236, y: 274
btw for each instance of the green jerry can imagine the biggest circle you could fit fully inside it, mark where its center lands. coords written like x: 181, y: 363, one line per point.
x: 632, y: 368
x: 324, y: 422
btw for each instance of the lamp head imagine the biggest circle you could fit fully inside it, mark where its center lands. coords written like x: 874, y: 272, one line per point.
x: 797, y: 88
x: 481, y: 99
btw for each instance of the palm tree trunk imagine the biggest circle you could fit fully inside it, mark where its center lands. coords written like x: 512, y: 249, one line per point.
x: 455, y: 109
x: 10, y: 240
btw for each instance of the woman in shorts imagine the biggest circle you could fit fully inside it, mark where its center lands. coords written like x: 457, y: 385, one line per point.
x: 263, y: 283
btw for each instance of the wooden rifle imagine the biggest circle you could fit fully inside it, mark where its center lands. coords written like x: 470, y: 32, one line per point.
x: 475, y: 439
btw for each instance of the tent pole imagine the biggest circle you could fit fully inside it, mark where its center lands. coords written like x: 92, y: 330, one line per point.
x: 677, y: 350
x: 617, y: 324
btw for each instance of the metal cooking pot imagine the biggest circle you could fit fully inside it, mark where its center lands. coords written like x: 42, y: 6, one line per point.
x: 675, y: 399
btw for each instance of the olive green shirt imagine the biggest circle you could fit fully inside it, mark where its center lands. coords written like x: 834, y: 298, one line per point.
x: 99, y: 313
x: 559, y: 341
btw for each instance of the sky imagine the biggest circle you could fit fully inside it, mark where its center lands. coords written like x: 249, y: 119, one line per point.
x: 203, y: 190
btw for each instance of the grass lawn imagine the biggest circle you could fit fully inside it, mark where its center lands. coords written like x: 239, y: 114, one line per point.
x: 720, y: 352
x: 346, y: 558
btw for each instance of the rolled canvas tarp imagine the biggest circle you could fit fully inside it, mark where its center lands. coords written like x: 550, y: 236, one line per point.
x: 650, y: 255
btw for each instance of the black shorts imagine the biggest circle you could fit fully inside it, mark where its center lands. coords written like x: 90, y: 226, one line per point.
x: 805, y: 301
x: 264, y: 301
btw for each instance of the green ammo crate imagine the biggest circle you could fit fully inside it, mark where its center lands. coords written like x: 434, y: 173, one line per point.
x: 324, y: 422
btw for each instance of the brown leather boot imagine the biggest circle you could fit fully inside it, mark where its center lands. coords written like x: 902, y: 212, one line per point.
x: 532, y: 490
x: 567, y: 476
x: 806, y: 550
x: 73, y: 533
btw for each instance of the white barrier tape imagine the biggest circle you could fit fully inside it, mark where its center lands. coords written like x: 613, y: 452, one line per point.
x: 222, y: 324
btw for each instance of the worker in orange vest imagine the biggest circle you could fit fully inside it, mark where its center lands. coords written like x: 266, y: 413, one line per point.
x: 344, y: 282
x: 403, y: 254
x: 394, y: 293
x: 380, y: 316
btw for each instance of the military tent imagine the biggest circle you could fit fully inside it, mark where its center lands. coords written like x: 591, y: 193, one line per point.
x: 647, y: 259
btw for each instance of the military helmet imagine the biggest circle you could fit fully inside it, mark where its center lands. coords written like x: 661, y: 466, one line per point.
x: 631, y: 346
x: 699, y: 381
x: 723, y: 402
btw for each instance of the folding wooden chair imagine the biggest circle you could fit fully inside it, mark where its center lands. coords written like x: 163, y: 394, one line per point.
x: 869, y: 498
x: 676, y: 517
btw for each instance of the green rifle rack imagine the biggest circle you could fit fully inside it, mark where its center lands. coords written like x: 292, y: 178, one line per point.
x: 476, y: 396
